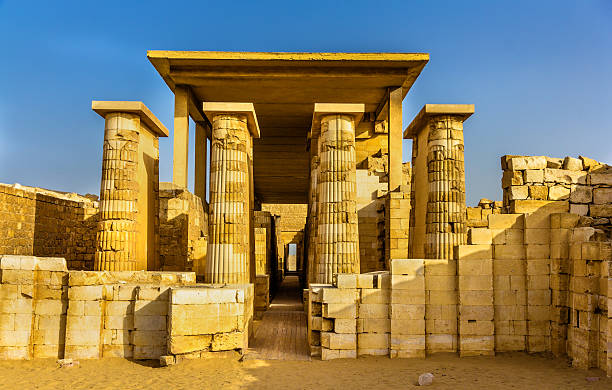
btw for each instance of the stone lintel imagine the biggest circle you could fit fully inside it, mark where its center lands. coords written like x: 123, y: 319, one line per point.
x: 104, y: 108
x: 429, y: 110
x: 321, y: 109
x: 212, y: 108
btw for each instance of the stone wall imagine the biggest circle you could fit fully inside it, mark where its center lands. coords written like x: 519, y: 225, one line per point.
x: 38, y: 222
x: 47, y: 311
x: 585, y: 183
x: 183, y: 230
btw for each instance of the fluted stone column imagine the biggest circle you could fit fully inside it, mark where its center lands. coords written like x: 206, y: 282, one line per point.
x: 116, y: 236
x: 446, y: 210
x: 337, y: 233
x: 228, y: 229
x: 312, y: 211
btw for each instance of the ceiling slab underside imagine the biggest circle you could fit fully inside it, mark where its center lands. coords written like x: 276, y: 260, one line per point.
x: 283, y: 88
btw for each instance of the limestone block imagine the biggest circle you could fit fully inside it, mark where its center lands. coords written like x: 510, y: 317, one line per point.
x: 407, y: 282
x: 477, y: 297
x: 338, y: 341
x: 472, y: 267
x: 506, y: 221
x: 507, y: 343
x: 537, y: 236
x: 144, y: 352
x: 572, y: 164
x: 480, y: 236
x: 542, y: 206
x: 604, y: 178
x: 468, y: 252
x: 339, y: 295
x: 345, y: 325
x: 151, y: 308
x: 581, y: 194
x: 329, y: 354
x: 600, y: 210
x: 373, y: 325
x: 538, y: 251
x: 408, y: 297
x: 149, y: 337
x: 407, y: 267
x: 511, y: 178
x: 533, y: 176
x: 150, y: 323
x: 563, y: 176
x: 476, y: 345
x: 531, y: 162
x: 374, y: 295
x: 186, y: 344
x: 374, y: 341
x: 50, y: 307
x: 476, y: 328
x: 118, y: 351
x: 198, y: 296
x: 408, y: 343
x: 81, y: 351
x: 538, y: 192
x: 86, y: 293
x: 509, y: 252
x: 366, y: 281
x: 119, y: 308
x: 339, y: 310
x: 153, y: 293
x: 558, y: 193
x: 17, y: 276
x: 407, y: 312
x: 119, y: 322
x: 374, y: 310
x: 345, y: 280
x: 14, y: 338
x: 602, y: 195
x: 18, y: 262
x: 518, y: 192
x: 478, y: 313
x: 407, y: 326
x: 552, y: 162
x: 372, y: 352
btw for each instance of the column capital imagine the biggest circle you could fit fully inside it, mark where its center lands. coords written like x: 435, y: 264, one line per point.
x: 463, y: 111
x: 103, y: 108
x: 321, y: 109
x: 212, y: 108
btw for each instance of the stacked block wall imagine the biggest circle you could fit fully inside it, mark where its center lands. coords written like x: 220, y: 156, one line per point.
x: 37, y: 222
x: 584, y: 183
x: 183, y: 230
x: 47, y: 311
x: 397, y: 224
x: 207, y: 319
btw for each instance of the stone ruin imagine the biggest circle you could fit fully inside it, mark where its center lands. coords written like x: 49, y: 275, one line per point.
x: 391, y: 261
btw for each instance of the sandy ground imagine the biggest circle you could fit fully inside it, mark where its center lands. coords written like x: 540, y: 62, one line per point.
x: 508, y: 371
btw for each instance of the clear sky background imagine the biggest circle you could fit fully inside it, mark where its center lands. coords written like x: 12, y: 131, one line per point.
x: 539, y: 72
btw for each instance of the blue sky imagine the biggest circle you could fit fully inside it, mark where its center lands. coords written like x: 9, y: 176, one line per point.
x: 539, y: 72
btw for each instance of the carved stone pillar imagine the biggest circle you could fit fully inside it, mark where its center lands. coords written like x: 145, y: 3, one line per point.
x: 128, y: 231
x: 230, y: 208
x: 116, y: 236
x: 446, y: 218
x: 337, y: 229
x: 438, y: 219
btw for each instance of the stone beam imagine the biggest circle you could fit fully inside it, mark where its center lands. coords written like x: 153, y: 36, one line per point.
x: 181, y: 136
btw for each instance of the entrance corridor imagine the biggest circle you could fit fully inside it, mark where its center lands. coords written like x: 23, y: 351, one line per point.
x: 282, y: 332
